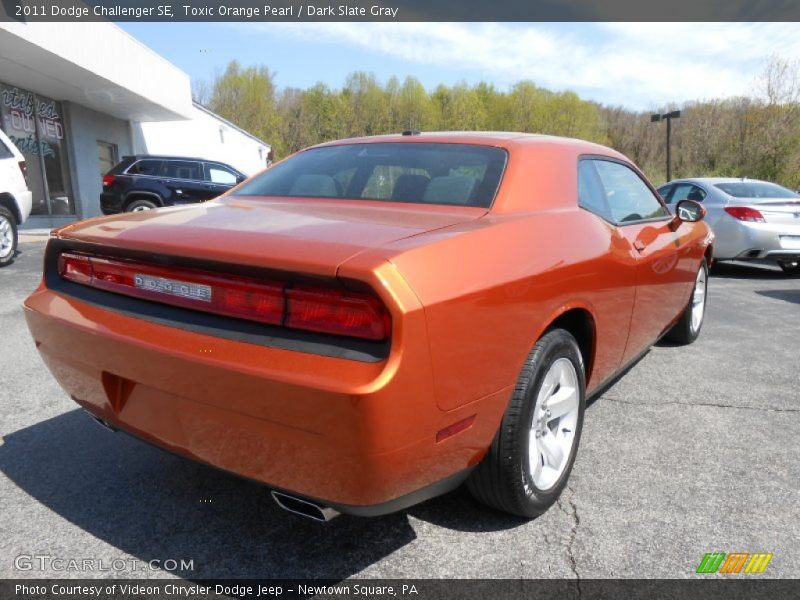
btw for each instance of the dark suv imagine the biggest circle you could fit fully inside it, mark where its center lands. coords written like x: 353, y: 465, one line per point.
x: 144, y: 182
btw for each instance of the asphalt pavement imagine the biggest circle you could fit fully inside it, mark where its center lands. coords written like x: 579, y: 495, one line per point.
x: 694, y: 450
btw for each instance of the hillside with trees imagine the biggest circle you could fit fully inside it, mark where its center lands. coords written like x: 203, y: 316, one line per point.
x: 756, y: 136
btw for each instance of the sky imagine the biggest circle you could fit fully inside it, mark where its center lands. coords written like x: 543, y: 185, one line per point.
x: 641, y: 66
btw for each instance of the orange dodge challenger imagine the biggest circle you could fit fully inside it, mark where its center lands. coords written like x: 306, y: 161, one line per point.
x: 373, y: 322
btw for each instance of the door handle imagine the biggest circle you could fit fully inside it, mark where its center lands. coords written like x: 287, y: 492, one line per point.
x: 639, y: 245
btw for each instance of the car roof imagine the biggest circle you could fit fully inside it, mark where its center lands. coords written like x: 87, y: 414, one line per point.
x: 502, y: 139
x: 715, y: 180
x: 170, y: 157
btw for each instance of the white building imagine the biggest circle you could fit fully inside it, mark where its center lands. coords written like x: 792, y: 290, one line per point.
x: 77, y: 97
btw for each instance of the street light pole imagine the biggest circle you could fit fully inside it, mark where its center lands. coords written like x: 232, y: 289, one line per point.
x: 675, y: 114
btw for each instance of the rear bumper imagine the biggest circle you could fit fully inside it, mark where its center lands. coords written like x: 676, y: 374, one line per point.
x: 357, y: 436
x: 110, y: 203
x: 24, y: 201
x: 744, y: 240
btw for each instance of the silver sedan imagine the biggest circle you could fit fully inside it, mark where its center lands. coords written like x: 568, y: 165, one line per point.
x: 751, y: 219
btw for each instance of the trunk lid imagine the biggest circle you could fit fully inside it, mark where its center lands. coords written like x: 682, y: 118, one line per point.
x: 776, y: 211
x: 311, y: 236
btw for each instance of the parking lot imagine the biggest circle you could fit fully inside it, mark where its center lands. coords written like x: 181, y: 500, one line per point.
x: 694, y: 450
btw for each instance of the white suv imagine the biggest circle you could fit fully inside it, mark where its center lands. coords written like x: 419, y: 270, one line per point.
x: 15, y: 198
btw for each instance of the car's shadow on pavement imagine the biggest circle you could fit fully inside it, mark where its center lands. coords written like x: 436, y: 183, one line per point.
x: 155, y: 506
x: 459, y: 512
x: 786, y: 295
x: 748, y: 270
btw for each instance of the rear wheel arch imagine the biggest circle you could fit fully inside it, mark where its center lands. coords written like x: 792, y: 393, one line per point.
x: 8, y: 201
x: 136, y: 195
x: 580, y: 323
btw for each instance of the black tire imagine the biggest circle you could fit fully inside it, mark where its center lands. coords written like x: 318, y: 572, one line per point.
x: 683, y: 332
x: 8, y: 223
x: 504, y: 479
x: 790, y: 267
x: 142, y: 204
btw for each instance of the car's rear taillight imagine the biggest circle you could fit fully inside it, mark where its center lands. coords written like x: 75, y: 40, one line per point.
x: 312, y: 308
x: 745, y: 213
x: 108, y: 180
x: 75, y: 268
x: 337, y: 312
x: 23, y: 166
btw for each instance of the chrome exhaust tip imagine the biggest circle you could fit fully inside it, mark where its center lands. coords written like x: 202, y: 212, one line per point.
x: 304, y: 508
x: 101, y: 422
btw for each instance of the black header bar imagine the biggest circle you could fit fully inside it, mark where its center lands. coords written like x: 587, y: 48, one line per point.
x: 400, y: 10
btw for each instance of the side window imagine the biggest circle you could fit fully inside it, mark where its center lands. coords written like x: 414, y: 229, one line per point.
x: 591, y: 194
x: 687, y: 191
x: 184, y: 169
x: 146, y: 167
x: 628, y: 197
x: 220, y: 175
x: 665, y: 191
x: 5, y: 151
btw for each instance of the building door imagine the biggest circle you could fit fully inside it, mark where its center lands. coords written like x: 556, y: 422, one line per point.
x: 106, y: 156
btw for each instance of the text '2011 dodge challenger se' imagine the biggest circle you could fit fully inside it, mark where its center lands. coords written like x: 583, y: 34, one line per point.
x: 372, y: 322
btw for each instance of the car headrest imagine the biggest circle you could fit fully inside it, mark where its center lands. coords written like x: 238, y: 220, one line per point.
x: 409, y: 187
x: 450, y: 189
x: 314, y: 185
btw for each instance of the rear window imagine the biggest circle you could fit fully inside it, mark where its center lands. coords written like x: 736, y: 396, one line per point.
x: 755, y: 189
x: 146, y: 167
x: 457, y: 174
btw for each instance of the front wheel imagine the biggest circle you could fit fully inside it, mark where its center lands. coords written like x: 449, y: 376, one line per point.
x: 687, y: 329
x: 531, y: 457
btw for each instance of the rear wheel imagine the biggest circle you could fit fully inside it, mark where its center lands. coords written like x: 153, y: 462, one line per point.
x: 140, y: 205
x: 531, y: 457
x: 790, y: 267
x: 688, y: 327
x: 8, y: 236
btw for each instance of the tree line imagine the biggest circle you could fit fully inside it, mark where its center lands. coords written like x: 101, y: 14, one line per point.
x: 755, y: 136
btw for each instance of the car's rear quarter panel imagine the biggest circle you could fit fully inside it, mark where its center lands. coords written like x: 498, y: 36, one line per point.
x: 501, y: 280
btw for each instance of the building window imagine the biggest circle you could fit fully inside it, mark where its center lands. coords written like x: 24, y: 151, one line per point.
x: 106, y: 156
x: 35, y: 125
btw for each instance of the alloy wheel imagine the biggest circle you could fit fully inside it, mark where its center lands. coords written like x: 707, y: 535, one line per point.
x: 699, y: 300
x: 552, y: 433
x: 6, y: 237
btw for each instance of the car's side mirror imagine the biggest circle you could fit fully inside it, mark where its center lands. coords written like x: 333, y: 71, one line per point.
x: 690, y: 211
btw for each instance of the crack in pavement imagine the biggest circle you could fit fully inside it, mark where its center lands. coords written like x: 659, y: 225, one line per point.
x: 708, y: 404
x: 573, y: 515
